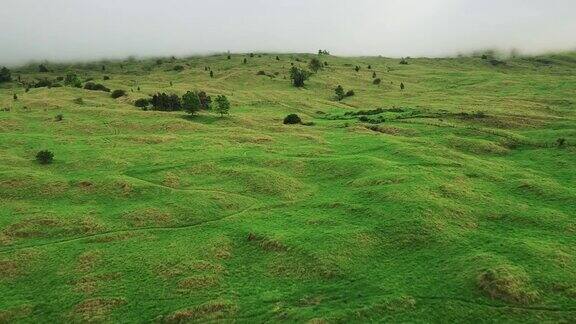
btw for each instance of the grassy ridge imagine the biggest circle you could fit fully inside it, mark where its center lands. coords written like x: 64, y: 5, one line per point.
x: 458, y: 207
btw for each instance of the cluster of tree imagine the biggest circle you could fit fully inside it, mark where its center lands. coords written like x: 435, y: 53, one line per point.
x: 323, y: 52
x: 72, y: 80
x: 341, y: 94
x: 298, y: 76
x: 191, y: 102
x: 404, y: 61
x: 5, y: 75
x: 95, y: 87
x: 165, y: 102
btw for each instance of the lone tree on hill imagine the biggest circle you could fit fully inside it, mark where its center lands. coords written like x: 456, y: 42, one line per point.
x: 245, y: 61
x: 211, y: 73
x: 15, y: 97
x: 191, y: 102
x: 5, y: 75
x: 298, y: 76
x: 42, y: 68
x: 339, y: 92
x: 222, y: 105
x: 374, y: 75
x: 277, y: 58
x: 357, y: 68
x: 315, y: 64
x: 402, y: 86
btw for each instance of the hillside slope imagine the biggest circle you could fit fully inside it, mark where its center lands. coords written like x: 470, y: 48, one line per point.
x: 453, y: 202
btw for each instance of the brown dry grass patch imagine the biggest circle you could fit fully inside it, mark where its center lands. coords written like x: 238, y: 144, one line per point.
x: 96, y: 309
x: 148, y: 217
x: 198, y: 282
x: 506, y: 284
x: 210, y: 311
x: 88, y: 260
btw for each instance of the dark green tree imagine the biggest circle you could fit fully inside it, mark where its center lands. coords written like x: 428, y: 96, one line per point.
x: 402, y: 86
x: 222, y: 105
x: 191, y: 102
x: 315, y: 64
x: 5, y: 75
x: 298, y: 76
x: 339, y: 91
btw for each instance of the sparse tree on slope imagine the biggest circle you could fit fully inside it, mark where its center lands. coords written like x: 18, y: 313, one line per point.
x: 222, y: 105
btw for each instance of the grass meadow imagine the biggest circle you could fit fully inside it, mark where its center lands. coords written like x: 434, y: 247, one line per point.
x: 454, y: 202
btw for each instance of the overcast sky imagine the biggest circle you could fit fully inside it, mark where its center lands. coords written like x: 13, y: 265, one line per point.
x: 89, y: 29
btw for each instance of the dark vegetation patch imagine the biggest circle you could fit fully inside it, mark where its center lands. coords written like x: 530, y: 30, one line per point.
x: 95, y: 87
x: 292, y: 119
x: 118, y: 93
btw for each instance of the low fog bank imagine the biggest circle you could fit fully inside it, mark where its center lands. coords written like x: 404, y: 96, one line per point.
x: 70, y: 30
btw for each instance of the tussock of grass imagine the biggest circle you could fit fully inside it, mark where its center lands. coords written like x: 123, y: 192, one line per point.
x: 507, y: 284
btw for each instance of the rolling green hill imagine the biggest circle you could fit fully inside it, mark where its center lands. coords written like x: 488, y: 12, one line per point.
x: 452, y: 200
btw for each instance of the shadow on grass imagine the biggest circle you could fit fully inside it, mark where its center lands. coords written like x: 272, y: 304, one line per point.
x: 204, y: 119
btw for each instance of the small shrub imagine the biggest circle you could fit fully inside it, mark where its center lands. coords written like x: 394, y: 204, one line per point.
x: 78, y: 101
x: 245, y: 61
x: 142, y: 102
x: 402, y: 86
x: 211, y: 73
x: 357, y: 68
x: 377, y: 81
x: 117, y: 94
x: 350, y: 93
x: 277, y: 58
x: 44, y: 157
x: 95, y: 87
x: 229, y: 57
x: 106, y: 77
x: 178, y: 68
x: 15, y: 97
x: 339, y: 91
x: 484, y: 56
x: 374, y: 75
x: 561, y: 142
x: 59, y: 117
x: 404, y: 61
x: 369, y: 67
x: 261, y: 73
x: 292, y: 119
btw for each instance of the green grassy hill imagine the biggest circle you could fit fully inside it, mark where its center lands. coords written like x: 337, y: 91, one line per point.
x: 453, y: 202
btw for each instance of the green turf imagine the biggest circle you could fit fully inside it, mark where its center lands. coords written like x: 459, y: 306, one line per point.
x: 458, y: 207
